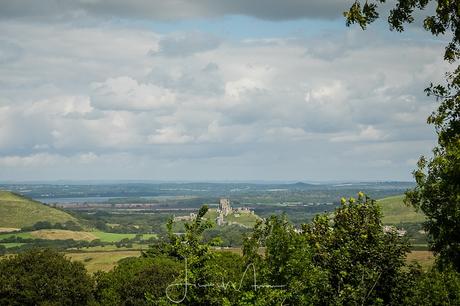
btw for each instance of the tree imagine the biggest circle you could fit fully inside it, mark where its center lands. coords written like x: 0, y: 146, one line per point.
x: 286, y: 270
x: 437, y: 192
x: 364, y: 263
x: 433, y: 288
x: 135, y: 279
x: 39, y: 277
x: 195, y: 255
x: 343, y: 258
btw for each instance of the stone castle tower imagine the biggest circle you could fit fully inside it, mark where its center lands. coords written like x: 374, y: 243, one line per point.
x: 224, y: 206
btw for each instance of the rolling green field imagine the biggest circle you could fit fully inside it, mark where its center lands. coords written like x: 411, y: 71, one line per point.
x: 112, y: 247
x: 395, y: 211
x: 424, y: 258
x: 17, y: 212
x: 101, y: 261
x: 114, y: 237
x: 55, y: 234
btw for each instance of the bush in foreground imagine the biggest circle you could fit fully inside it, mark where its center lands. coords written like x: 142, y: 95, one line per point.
x: 135, y: 279
x: 39, y: 277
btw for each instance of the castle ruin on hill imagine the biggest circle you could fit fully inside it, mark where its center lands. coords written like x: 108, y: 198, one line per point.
x: 226, y: 209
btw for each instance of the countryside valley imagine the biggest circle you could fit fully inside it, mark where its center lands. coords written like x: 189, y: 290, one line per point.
x: 103, y: 223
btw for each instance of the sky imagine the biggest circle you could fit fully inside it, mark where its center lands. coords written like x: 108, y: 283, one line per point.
x: 211, y: 90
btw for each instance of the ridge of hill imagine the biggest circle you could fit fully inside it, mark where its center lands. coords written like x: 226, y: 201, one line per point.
x: 395, y: 211
x: 17, y: 211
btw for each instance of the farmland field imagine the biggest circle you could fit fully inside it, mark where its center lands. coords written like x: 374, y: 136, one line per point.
x: 114, y: 237
x: 110, y: 248
x: 101, y: 261
x: 424, y: 258
x: 53, y: 234
x: 395, y: 211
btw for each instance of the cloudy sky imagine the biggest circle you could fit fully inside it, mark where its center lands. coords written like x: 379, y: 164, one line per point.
x: 210, y: 90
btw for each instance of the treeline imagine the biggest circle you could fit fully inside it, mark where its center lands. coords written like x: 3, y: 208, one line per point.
x: 64, y: 244
x: 343, y: 258
x: 34, y: 243
x: 68, y: 225
x: 124, y: 223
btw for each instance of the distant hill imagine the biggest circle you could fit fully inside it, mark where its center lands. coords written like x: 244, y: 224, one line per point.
x: 300, y: 185
x: 17, y: 211
x: 395, y: 211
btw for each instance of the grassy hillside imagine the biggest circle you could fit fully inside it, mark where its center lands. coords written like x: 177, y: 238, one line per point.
x: 247, y: 220
x: 395, y: 211
x: 17, y: 211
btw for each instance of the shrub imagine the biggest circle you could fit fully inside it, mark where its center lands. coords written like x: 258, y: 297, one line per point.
x: 135, y: 279
x: 38, y: 277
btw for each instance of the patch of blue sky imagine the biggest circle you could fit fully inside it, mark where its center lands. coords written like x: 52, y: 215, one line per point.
x: 240, y: 27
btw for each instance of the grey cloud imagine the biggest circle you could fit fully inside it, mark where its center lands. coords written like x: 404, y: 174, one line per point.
x: 126, y: 93
x: 185, y: 44
x: 173, y: 10
x: 201, y: 80
x: 9, y: 52
x: 231, y: 111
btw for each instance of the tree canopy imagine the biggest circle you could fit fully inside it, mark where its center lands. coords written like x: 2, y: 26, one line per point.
x: 43, y: 277
x: 437, y: 192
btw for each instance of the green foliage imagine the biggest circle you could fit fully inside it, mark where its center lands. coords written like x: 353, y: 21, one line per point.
x: 43, y: 277
x: 136, y: 280
x: 343, y: 259
x: 445, y: 19
x: 363, y: 261
x: 68, y: 225
x: 196, y: 256
x: 431, y: 288
x: 438, y: 179
x: 438, y: 196
x: 231, y: 235
x: 286, y: 271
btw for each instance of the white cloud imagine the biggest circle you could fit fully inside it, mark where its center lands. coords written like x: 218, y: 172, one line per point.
x: 235, y: 89
x: 365, y: 133
x: 35, y: 160
x: 60, y: 106
x: 169, y: 135
x: 125, y: 93
x: 95, y: 95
